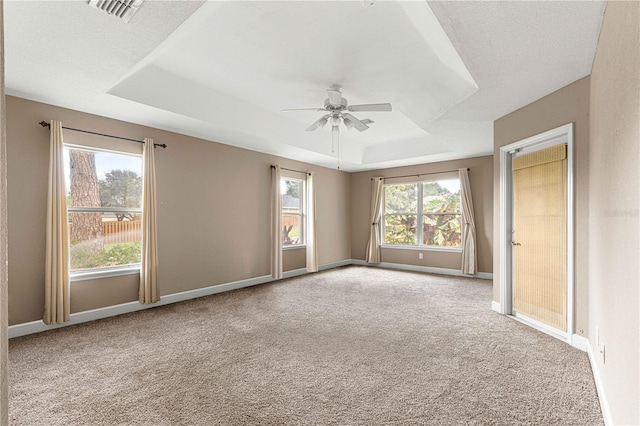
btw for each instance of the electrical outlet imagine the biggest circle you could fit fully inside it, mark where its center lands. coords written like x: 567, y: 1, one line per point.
x: 420, y: 256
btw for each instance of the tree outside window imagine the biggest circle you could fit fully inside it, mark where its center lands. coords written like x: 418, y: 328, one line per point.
x: 423, y: 213
x: 104, y: 206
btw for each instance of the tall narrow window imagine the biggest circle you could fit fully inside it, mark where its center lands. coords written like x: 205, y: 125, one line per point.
x: 425, y: 213
x: 104, y: 206
x: 292, y: 191
x: 441, y: 213
x: 401, y: 214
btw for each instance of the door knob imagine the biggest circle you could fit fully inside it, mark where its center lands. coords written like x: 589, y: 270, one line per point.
x: 513, y: 243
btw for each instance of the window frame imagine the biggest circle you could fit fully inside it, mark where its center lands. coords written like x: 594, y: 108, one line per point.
x: 302, y: 243
x: 419, y: 213
x: 105, y: 271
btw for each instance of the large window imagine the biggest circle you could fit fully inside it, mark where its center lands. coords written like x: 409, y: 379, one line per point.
x: 292, y: 191
x: 423, y: 213
x: 104, y: 206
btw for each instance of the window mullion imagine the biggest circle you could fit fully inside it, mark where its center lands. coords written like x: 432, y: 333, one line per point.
x: 103, y: 210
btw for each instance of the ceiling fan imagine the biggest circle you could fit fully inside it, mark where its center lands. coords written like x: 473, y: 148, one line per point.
x: 338, y: 109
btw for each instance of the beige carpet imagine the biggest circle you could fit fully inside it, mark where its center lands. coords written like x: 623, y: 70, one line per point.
x: 351, y: 346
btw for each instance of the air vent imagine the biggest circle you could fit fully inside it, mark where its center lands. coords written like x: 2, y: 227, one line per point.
x: 121, y: 9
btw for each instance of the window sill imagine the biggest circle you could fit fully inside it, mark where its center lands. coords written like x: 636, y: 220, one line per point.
x: 293, y: 247
x: 115, y: 271
x: 423, y: 248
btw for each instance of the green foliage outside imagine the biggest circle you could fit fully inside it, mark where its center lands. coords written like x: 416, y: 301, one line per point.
x: 402, y: 202
x: 112, y: 255
x: 401, y: 221
x: 293, y: 187
x: 295, y: 231
x: 121, y: 188
x: 438, y: 229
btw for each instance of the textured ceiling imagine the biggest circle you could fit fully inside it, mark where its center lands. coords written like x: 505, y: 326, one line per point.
x: 223, y: 71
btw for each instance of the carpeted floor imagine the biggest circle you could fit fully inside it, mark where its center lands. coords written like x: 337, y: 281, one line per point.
x: 350, y: 346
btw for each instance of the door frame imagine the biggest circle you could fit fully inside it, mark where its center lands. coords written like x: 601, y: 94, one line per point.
x: 562, y: 134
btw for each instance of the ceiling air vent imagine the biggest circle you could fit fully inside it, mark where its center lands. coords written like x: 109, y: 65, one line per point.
x: 121, y: 9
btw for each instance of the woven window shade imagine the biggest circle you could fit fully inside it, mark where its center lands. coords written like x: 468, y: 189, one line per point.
x: 549, y: 155
x: 539, y: 224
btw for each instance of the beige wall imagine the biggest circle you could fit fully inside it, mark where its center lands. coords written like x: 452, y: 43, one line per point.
x: 293, y: 259
x: 567, y: 105
x: 480, y: 177
x: 614, y: 191
x: 213, y: 211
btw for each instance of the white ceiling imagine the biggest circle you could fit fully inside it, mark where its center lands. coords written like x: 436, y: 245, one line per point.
x: 223, y: 71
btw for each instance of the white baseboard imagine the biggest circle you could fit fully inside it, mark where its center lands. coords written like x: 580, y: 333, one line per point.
x: 579, y: 342
x: 428, y: 269
x: 495, y: 306
x: 294, y: 273
x: 602, y: 397
x: 337, y: 264
x: 125, y: 308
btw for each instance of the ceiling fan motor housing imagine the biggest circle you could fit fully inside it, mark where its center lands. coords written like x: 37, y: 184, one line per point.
x: 329, y: 107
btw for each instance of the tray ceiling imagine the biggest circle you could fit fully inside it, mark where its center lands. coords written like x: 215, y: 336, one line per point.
x: 223, y: 71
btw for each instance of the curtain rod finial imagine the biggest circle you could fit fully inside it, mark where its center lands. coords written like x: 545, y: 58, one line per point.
x: 44, y: 123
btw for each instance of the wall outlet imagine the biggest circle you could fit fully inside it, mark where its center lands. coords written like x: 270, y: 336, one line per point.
x: 420, y: 256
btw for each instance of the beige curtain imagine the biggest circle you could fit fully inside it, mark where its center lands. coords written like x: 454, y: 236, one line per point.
x: 375, y: 230
x: 149, y: 261
x: 469, y: 254
x: 276, y: 224
x: 312, y: 243
x: 56, y: 279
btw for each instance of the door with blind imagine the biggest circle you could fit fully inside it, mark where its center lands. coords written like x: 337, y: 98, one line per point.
x: 539, y: 236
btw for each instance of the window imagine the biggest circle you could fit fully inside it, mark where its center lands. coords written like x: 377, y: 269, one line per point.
x: 423, y: 213
x: 104, y: 206
x: 292, y: 191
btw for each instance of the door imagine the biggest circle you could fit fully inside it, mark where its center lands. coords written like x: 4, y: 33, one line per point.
x: 539, y: 236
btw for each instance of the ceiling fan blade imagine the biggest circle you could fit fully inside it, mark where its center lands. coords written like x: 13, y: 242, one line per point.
x: 335, y: 97
x: 319, y: 124
x: 301, y: 109
x: 356, y: 123
x: 370, y: 107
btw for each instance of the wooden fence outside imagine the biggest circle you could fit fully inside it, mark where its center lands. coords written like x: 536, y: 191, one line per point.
x: 126, y: 231
x: 290, y: 219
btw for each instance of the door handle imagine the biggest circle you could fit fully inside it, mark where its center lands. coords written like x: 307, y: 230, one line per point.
x: 513, y: 243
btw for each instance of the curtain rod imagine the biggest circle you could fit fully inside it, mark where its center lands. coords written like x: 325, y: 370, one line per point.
x: 291, y: 170
x: 45, y: 124
x: 420, y: 174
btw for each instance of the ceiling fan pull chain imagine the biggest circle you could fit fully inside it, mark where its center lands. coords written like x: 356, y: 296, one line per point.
x: 338, y: 154
x: 334, y: 137
x: 335, y: 142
